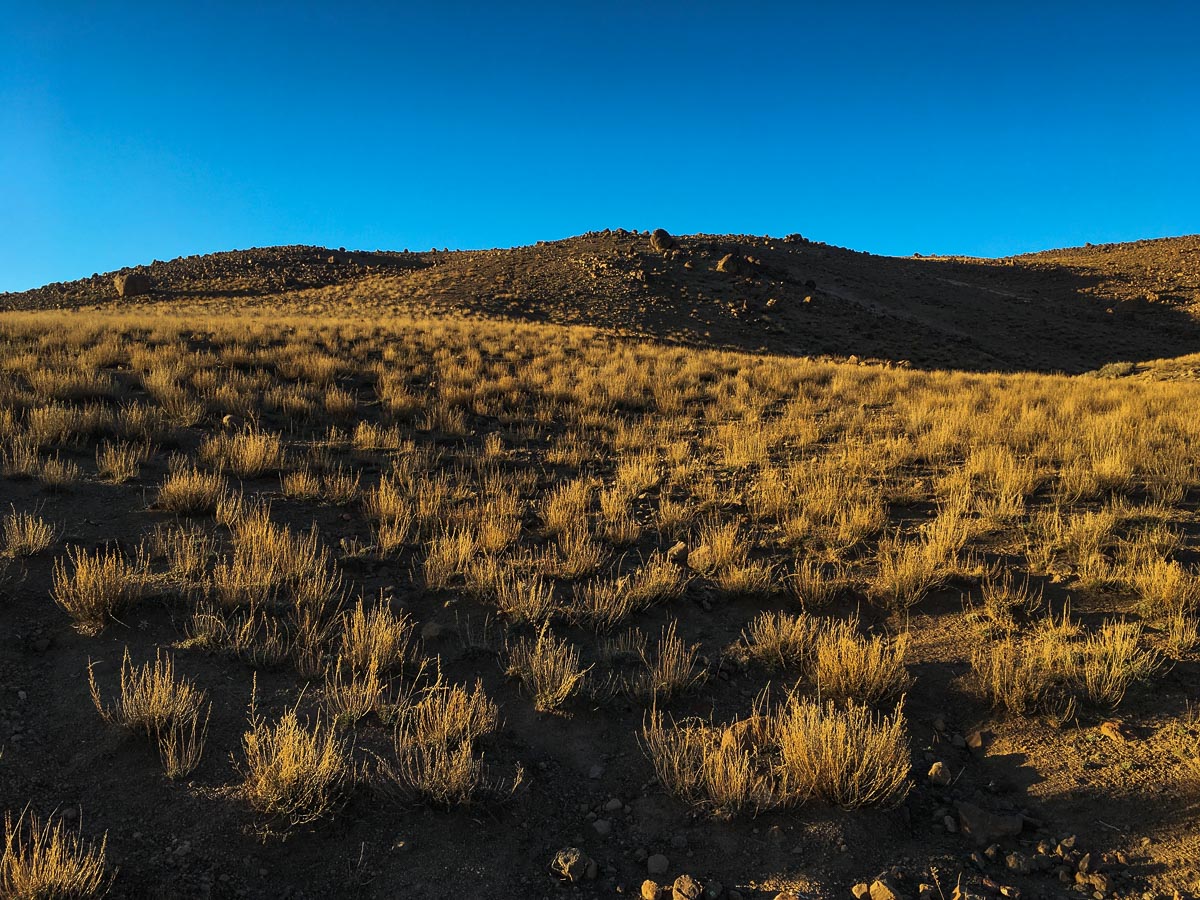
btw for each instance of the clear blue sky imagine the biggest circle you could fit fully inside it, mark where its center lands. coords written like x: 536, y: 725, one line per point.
x: 130, y: 132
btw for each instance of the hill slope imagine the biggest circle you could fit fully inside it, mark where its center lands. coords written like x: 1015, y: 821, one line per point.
x: 1070, y: 310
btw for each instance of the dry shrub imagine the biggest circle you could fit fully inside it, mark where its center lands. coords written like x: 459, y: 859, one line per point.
x: 294, y: 772
x: 433, y: 745
x: 98, y: 587
x: 49, y: 861
x: 518, y: 598
x: 352, y: 694
x: 189, y: 491
x: 376, y: 638
x: 849, y: 757
x: 247, y: 454
x: 666, y: 671
x: 26, y: 534
x: 547, y: 668
x: 778, y: 641
x: 804, y: 751
x: 1055, y: 667
x: 847, y: 666
x: 120, y: 462
x: 815, y: 584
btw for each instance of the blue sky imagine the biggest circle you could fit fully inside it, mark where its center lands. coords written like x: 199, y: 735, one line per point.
x: 131, y: 132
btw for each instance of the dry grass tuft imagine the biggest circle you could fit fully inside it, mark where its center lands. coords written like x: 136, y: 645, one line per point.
x: 49, y: 861
x: 98, y: 587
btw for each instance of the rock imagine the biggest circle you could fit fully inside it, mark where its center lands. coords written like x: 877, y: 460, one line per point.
x: 603, y: 827
x: 986, y: 827
x: 596, y: 772
x: 1101, y: 882
x: 1017, y: 862
x: 951, y: 824
x: 132, y: 284
x: 1114, y: 731
x: 746, y: 734
x: 678, y: 553
x: 572, y: 864
x: 861, y: 891
x: 230, y: 422
x: 1085, y: 863
x: 939, y: 774
x: 651, y: 890
x: 885, y: 889
x: 926, y: 892
x: 657, y: 864
x: 686, y: 888
x: 977, y: 740
x: 734, y: 264
x: 614, y: 805
x: 713, y: 890
x: 661, y: 240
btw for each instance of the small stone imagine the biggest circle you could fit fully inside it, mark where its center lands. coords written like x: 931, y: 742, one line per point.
x: 1114, y: 731
x: 925, y: 892
x: 861, y: 891
x: 571, y: 863
x: 614, y: 805
x: 661, y: 240
x: 939, y: 774
x: 951, y: 824
x: 939, y: 724
x: 885, y: 889
x: 1101, y: 882
x: 1017, y: 862
x: 1085, y: 863
x: 776, y: 835
x: 651, y: 890
x: 595, y: 773
x: 657, y: 864
x: 713, y: 890
x: 977, y: 741
x: 679, y: 841
x: 678, y: 553
x: 686, y: 888
x: 603, y: 827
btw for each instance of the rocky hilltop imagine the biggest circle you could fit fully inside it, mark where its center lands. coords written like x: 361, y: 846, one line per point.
x: 1066, y: 310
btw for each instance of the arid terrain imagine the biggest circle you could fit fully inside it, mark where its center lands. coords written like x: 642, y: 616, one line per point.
x: 706, y: 566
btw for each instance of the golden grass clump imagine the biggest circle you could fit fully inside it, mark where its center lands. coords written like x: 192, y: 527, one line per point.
x: 375, y: 638
x: 294, y: 772
x: 190, y: 491
x: 1055, y: 667
x: 94, y: 588
x: 46, y: 860
x: 168, y: 709
x: 548, y: 669
x: 26, y: 534
x: 119, y: 462
x: 248, y: 453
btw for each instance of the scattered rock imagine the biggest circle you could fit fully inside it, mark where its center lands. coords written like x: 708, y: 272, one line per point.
x: 614, y: 805
x: 661, y: 240
x: 885, y: 889
x: 657, y: 864
x: 735, y: 264
x: 1114, y: 731
x: 572, y: 864
x: 939, y: 774
x: 132, y: 284
x: 978, y: 740
x: 1017, y: 862
x: 603, y: 827
x: 686, y: 888
x: 861, y: 891
x: 651, y: 890
x: 986, y: 827
x: 678, y: 554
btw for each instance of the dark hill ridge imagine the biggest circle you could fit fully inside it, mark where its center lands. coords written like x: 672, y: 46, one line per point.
x: 1071, y: 310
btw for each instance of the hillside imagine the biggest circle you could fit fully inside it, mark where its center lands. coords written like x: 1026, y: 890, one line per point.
x: 1066, y: 310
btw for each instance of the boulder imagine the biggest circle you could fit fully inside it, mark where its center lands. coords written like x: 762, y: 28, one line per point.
x: 661, y: 240
x: 572, y: 864
x: 132, y: 284
x: 735, y: 264
x: 686, y: 888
